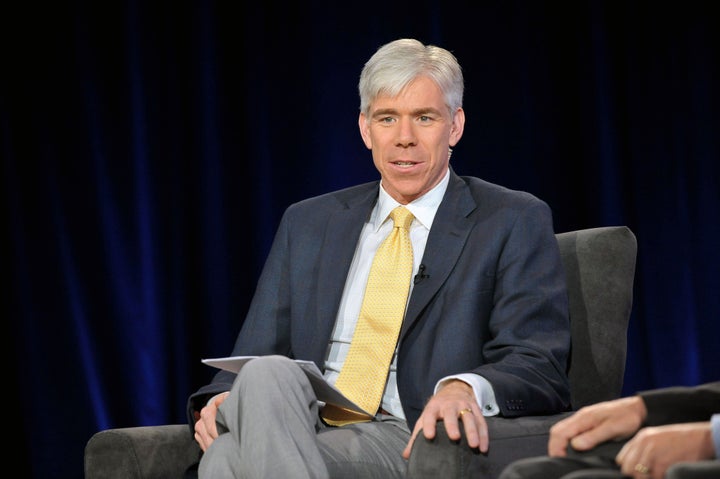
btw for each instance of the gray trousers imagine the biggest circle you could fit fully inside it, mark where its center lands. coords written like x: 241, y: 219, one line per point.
x: 270, y: 428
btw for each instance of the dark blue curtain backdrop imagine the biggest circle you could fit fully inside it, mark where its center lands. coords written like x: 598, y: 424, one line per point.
x: 149, y: 149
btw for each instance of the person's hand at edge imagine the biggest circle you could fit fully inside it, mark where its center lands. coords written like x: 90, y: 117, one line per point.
x: 654, y: 449
x: 592, y: 425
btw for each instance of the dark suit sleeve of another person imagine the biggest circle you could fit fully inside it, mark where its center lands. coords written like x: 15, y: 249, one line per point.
x: 681, y: 404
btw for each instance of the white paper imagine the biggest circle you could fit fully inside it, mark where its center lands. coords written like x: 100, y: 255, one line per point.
x: 323, y: 390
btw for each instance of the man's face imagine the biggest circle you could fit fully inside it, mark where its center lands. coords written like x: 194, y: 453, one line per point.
x: 410, y: 136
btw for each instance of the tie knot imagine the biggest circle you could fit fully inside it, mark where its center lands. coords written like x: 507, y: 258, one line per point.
x: 401, y: 217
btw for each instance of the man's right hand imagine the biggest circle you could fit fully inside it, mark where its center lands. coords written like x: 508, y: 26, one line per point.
x: 205, y: 426
x: 591, y: 425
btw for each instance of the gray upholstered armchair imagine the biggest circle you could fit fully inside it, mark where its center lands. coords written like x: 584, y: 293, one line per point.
x: 600, y: 269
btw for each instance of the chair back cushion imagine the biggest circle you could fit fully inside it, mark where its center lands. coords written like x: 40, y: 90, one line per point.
x: 600, y: 268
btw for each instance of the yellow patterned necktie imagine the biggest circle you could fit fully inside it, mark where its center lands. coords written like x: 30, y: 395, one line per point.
x: 364, y: 373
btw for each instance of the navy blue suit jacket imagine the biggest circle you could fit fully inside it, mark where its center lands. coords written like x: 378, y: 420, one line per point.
x: 493, y: 301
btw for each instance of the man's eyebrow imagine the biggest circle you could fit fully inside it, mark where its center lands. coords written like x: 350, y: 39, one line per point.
x: 424, y: 111
x: 416, y: 112
x: 384, y: 112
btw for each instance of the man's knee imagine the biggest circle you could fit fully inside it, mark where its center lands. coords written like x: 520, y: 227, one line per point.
x: 440, y: 456
x: 265, y: 371
x: 264, y: 365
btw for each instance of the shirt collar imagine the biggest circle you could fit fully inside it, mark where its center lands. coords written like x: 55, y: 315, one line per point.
x: 423, y: 208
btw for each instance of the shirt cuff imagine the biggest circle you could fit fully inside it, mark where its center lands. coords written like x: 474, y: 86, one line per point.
x: 482, y: 388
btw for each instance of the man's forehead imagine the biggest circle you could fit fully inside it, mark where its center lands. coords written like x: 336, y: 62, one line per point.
x: 422, y: 94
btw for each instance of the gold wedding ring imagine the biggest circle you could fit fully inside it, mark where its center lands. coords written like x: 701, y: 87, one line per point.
x: 642, y: 468
x: 462, y: 412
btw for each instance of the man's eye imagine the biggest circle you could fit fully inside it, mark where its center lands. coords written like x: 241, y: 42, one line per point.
x: 387, y: 119
x: 425, y: 119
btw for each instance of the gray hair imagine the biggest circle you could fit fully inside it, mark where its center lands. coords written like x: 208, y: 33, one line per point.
x: 398, y: 63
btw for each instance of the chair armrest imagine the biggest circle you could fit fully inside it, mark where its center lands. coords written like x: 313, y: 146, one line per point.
x: 694, y: 470
x: 510, y: 439
x: 147, y: 452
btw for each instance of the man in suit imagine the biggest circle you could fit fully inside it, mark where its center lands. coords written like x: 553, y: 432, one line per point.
x: 485, y: 330
x: 663, y: 433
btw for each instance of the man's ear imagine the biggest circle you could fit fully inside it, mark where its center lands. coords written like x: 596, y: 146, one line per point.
x: 458, y: 126
x: 365, y: 130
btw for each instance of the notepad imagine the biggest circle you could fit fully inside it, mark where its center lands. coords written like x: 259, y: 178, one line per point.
x: 324, y: 391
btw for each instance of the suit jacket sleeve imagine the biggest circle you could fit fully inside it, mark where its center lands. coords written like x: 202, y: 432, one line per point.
x: 526, y: 354
x: 681, y: 404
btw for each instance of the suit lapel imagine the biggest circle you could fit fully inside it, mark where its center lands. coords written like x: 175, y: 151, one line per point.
x: 447, y: 238
x: 445, y: 243
x: 339, y: 242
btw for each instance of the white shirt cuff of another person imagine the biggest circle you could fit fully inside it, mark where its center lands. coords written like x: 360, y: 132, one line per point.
x: 482, y: 389
x: 715, y: 430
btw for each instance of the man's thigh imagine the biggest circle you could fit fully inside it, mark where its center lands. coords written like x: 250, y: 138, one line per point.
x: 365, y: 450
